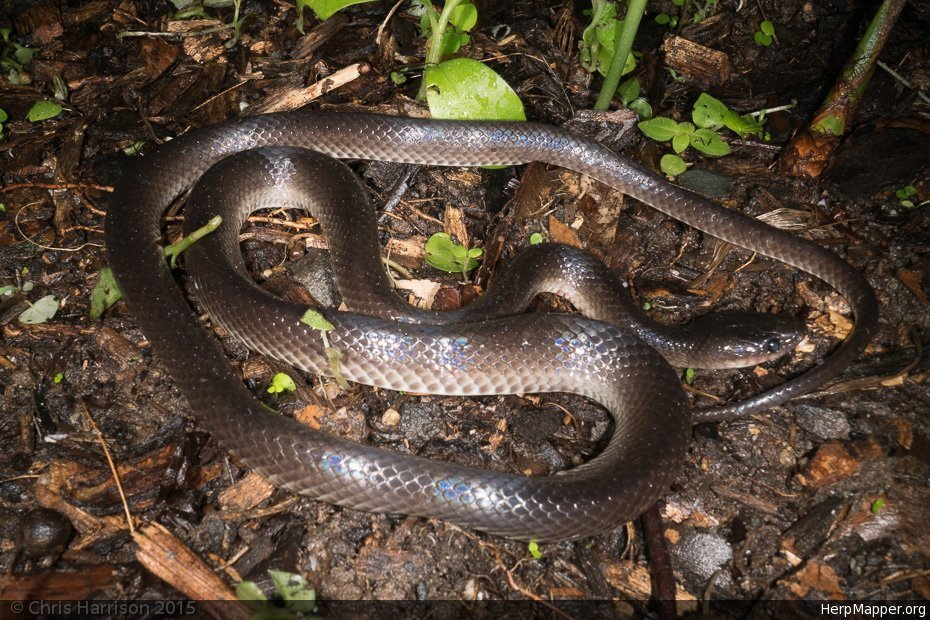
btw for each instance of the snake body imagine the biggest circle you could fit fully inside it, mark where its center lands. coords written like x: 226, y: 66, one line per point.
x: 486, y: 355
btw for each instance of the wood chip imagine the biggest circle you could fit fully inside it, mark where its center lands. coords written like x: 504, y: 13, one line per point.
x: 635, y: 583
x: 247, y: 493
x: 702, y: 64
x: 836, y: 461
x: 560, y: 233
x: 165, y: 556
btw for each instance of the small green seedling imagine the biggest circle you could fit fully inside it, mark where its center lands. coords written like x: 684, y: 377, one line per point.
x: 536, y: 238
x: 3, y: 118
x: 43, y: 110
x: 629, y: 95
x: 13, y: 58
x: 294, y: 597
x: 281, y: 383
x: 664, y: 19
x: 315, y: 319
x: 173, y: 251
x: 906, y: 196
x: 689, y: 376
x: 710, y: 116
x: 58, y: 378
x: 445, y: 254
x: 533, y: 548
x: 765, y: 34
x: 105, y: 294
x: 878, y: 505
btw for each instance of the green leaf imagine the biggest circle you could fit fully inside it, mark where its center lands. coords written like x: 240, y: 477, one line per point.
x: 709, y: 143
x: 680, y: 142
x: 105, y: 293
x: 443, y: 253
x: 536, y: 238
x: 628, y: 91
x: 647, y: 306
x: 41, y: 311
x: 767, y: 28
x: 708, y: 112
x: 58, y: 378
x: 672, y: 165
x: 689, y: 376
x: 9, y: 289
x: 742, y: 125
x: 659, y: 128
x: 3, y: 115
x: 464, y: 16
x: 662, y: 19
x: 533, y: 548
x: 248, y: 591
x: 878, y: 505
x: 281, y: 383
x: 316, y: 320
x: 398, y: 78
x: 463, y: 88
x: 24, y: 54
x: 43, y: 110
x: 324, y: 9
x: 641, y: 107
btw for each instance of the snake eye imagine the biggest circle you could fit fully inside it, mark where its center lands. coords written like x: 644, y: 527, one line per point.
x: 772, y: 345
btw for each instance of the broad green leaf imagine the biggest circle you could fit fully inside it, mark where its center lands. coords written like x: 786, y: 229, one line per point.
x: 40, y: 312
x: 659, y: 128
x: 709, y: 143
x: 672, y: 165
x: 43, y: 110
x: 324, y: 9
x: 463, y: 88
x: 744, y: 126
x: 689, y: 376
x: 3, y: 115
x: 767, y: 28
x: 708, y: 112
x: 464, y: 16
x: 316, y: 320
x: 443, y: 253
x: 105, y: 294
x: 680, y: 142
x: 536, y: 238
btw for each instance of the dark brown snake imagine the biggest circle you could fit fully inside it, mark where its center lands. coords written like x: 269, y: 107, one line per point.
x: 487, y: 354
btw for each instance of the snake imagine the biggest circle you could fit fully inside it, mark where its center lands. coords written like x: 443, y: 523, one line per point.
x: 486, y: 354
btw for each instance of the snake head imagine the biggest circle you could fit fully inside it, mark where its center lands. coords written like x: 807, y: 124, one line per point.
x: 740, y: 339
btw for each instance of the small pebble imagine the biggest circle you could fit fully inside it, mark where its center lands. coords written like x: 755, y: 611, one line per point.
x: 43, y: 532
x: 391, y: 417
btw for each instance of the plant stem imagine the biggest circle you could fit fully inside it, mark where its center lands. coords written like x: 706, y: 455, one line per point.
x: 174, y: 250
x: 438, y: 28
x: 622, y: 47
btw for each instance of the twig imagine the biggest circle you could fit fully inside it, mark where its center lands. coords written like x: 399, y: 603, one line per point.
x: 106, y: 452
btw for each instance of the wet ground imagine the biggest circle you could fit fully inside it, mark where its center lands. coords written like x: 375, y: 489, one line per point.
x: 825, y: 497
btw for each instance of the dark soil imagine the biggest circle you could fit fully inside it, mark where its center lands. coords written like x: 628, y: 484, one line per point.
x: 824, y: 498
